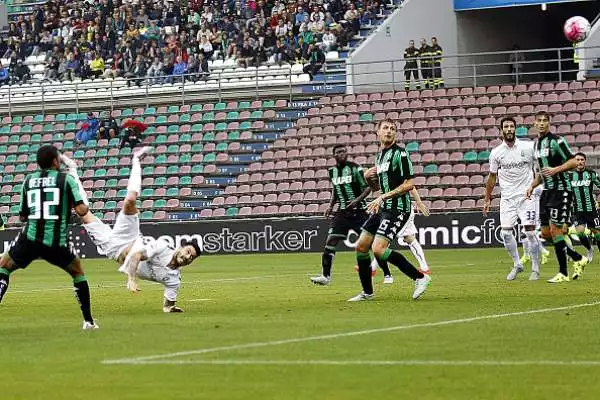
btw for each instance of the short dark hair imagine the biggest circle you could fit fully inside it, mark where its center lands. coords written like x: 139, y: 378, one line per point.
x: 337, y: 146
x: 503, y: 120
x: 46, y: 155
x: 580, y: 154
x: 194, y: 244
x: 542, y: 114
x: 386, y: 120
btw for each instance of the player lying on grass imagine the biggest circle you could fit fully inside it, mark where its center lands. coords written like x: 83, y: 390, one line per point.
x: 155, y: 261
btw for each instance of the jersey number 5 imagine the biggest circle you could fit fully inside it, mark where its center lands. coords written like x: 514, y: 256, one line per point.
x: 34, y: 201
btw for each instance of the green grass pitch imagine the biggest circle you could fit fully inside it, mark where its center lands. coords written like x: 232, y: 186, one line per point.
x: 256, y: 328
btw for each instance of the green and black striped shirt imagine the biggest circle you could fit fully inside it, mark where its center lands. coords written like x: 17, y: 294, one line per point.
x: 47, y: 198
x: 393, y: 168
x: 348, y: 183
x: 583, y: 183
x: 552, y: 151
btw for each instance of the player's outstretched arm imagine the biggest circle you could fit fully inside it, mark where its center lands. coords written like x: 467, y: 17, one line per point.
x: 406, y: 186
x: 537, y: 180
x: 131, y: 265
x: 564, y: 167
x: 421, y: 207
x: 489, y: 188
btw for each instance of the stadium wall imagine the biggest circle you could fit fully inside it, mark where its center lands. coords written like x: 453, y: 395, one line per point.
x: 414, y: 20
x: 590, y: 50
x: 292, y: 235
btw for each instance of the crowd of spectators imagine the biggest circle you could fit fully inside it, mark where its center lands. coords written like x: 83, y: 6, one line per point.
x: 154, y: 39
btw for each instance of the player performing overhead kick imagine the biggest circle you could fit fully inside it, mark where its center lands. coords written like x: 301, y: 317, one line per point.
x: 513, y: 162
x: 149, y: 260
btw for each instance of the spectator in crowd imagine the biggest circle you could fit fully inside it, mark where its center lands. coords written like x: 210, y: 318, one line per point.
x: 155, y: 70
x: 4, y: 76
x: 52, y: 69
x: 97, y: 65
x: 329, y: 40
x: 88, y: 130
x: 179, y: 69
x: 109, y: 129
x: 316, y: 59
x: 22, y: 73
x: 136, y: 72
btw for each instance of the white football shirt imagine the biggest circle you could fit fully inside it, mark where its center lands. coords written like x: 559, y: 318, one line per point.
x: 514, y: 166
x: 155, y: 268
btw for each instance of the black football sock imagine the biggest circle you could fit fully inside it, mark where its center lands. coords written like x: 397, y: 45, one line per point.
x: 402, y: 263
x: 560, y: 247
x: 4, y: 278
x: 585, y: 241
x: 364, y: 271
x: 575, y: 256
x: 384, y: 266
x: 327, y: 260
x: 82, y: 294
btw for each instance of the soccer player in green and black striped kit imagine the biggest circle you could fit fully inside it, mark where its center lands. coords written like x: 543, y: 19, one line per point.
x: 585, y: 215
x: 47, y: 198
x: 349, y: 191
x: 555, y: 159
x: 391, y: 213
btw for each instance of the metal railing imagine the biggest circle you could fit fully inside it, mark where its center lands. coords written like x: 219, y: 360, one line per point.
x: 476, y: 69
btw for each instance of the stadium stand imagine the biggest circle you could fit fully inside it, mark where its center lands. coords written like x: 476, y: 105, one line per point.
x: 241, y: 159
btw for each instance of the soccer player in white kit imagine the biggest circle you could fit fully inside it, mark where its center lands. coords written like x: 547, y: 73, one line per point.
x: 535, y: 196
x: 512, y: 163
x: 152, y: 260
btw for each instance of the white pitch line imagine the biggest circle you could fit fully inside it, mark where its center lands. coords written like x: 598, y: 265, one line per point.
x: 199, y: 300
x: 452, y: 363
x: 137, y: 360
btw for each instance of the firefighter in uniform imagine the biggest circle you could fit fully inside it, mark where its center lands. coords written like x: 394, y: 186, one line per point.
x: 436, y: 58
x: 425, y: 58
x: 411, y: 66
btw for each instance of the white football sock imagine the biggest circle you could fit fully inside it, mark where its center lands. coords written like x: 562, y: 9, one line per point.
x: 534, y: 250
x: 135, y: 178
x: 417, y: 250
x: 511, y: 245
x: 526, y: 249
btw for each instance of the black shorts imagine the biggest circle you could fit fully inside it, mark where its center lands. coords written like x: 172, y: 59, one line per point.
x: 387, y: 223
x: 24, y: 251
x: 346, y: 220
x: 555, y: 207
x: 589, y: 219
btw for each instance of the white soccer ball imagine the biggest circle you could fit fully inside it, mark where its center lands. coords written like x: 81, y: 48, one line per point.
x: 576, y: 29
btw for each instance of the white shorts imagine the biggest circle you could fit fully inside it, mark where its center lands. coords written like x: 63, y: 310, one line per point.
x: 409, y: 229
x: 518, y: 208
x: 112, y: 242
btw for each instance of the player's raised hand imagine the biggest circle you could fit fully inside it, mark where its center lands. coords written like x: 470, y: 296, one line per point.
x: 422, y: 209
x: 327, y: 213
x: 370, y: 173
x: 486, y: 207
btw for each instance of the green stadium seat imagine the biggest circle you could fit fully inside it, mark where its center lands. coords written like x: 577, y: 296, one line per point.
x: 89, y: 163
x: 243, y: 105
x: 160, y: 159
x: 72, y: 117
x: 146, y: 171
x: 112, y: 162
x: 173, y: 109
x: 173, y: 170
x: 233, y: 115
x: 14, y: 139
x: 412, y: 146
x: 256, y: 114
x: 79, y: 154
x: 160, y: 181
x: 5, y: 130
x: 470, y: 156
x: 17, y: 119
x: 172, y: 192
x: 220, y: 106
x: 160, y: 203
x: 125, y: 151
x: 31, y: 158
x: 197, y: 128
x: 146, y: 215
x: 3, y: 149
x: 367, y: 117
x: 197, y: 148
x: 5, y: 200
x: 430, y: 169
x: 48, y: 128
x: 186, y: 137
x: 58, y: 137
x: 233, y: 135
x: 21, y: 168
x: 60, y: 118
x: 15, y: 209
x: 34, y: 147
x: 208, y: 137
x: 185, y: 180
x: 232, y: 211
x: 184, y: 118
x: 38, y: 118
x: 196, y: 108
x: 173, y: 129
x: 160, y: 120
x: 221, y: 126
x: 24, y: 148
x: 98, y: 194
x: 161, y: 139
x: 483, y: 155
x: 68, y: 145
x: 112, y: 183
x: 150, y: 111
x: 37, y: 138
x: 91, y: 143
x: 110, y: 205
x: 148, y: 192
x: 126, y: 171
x: 268, y: 104
x: 113, y: 142
x: 17, y: 188
x: 102, y: 153
x: 197, y: 169
x: 8, y: 178
x: 100, y: 172
x: 122, y: 193
x: 173, y: 148
x: 245, y: 125
x: 100, y: 214
x: 11, y: 159
x: 222, y: 146
x: 26, y: 128
x: 185, y: 158
x: 210, y: 158
x: 71, y: 126
x: 208, y: 117
x: 522, y: 131
x: 126, y: 113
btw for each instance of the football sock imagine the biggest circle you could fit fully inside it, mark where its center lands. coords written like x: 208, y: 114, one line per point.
x: 526, y: 249
x: 560, y: 247
x: 364, y: 271
x: 72, y: 170
x: 82, y: 294
x: 135, y: 179
x: 4, y: 277
x: 417, y: 250
x: 511, y: 245
x: 384, y: 266
x: 402, y: 263
x: 597, y: 237
x: 534, y: 250
x: 585, y: 241
x: 327, y: 260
